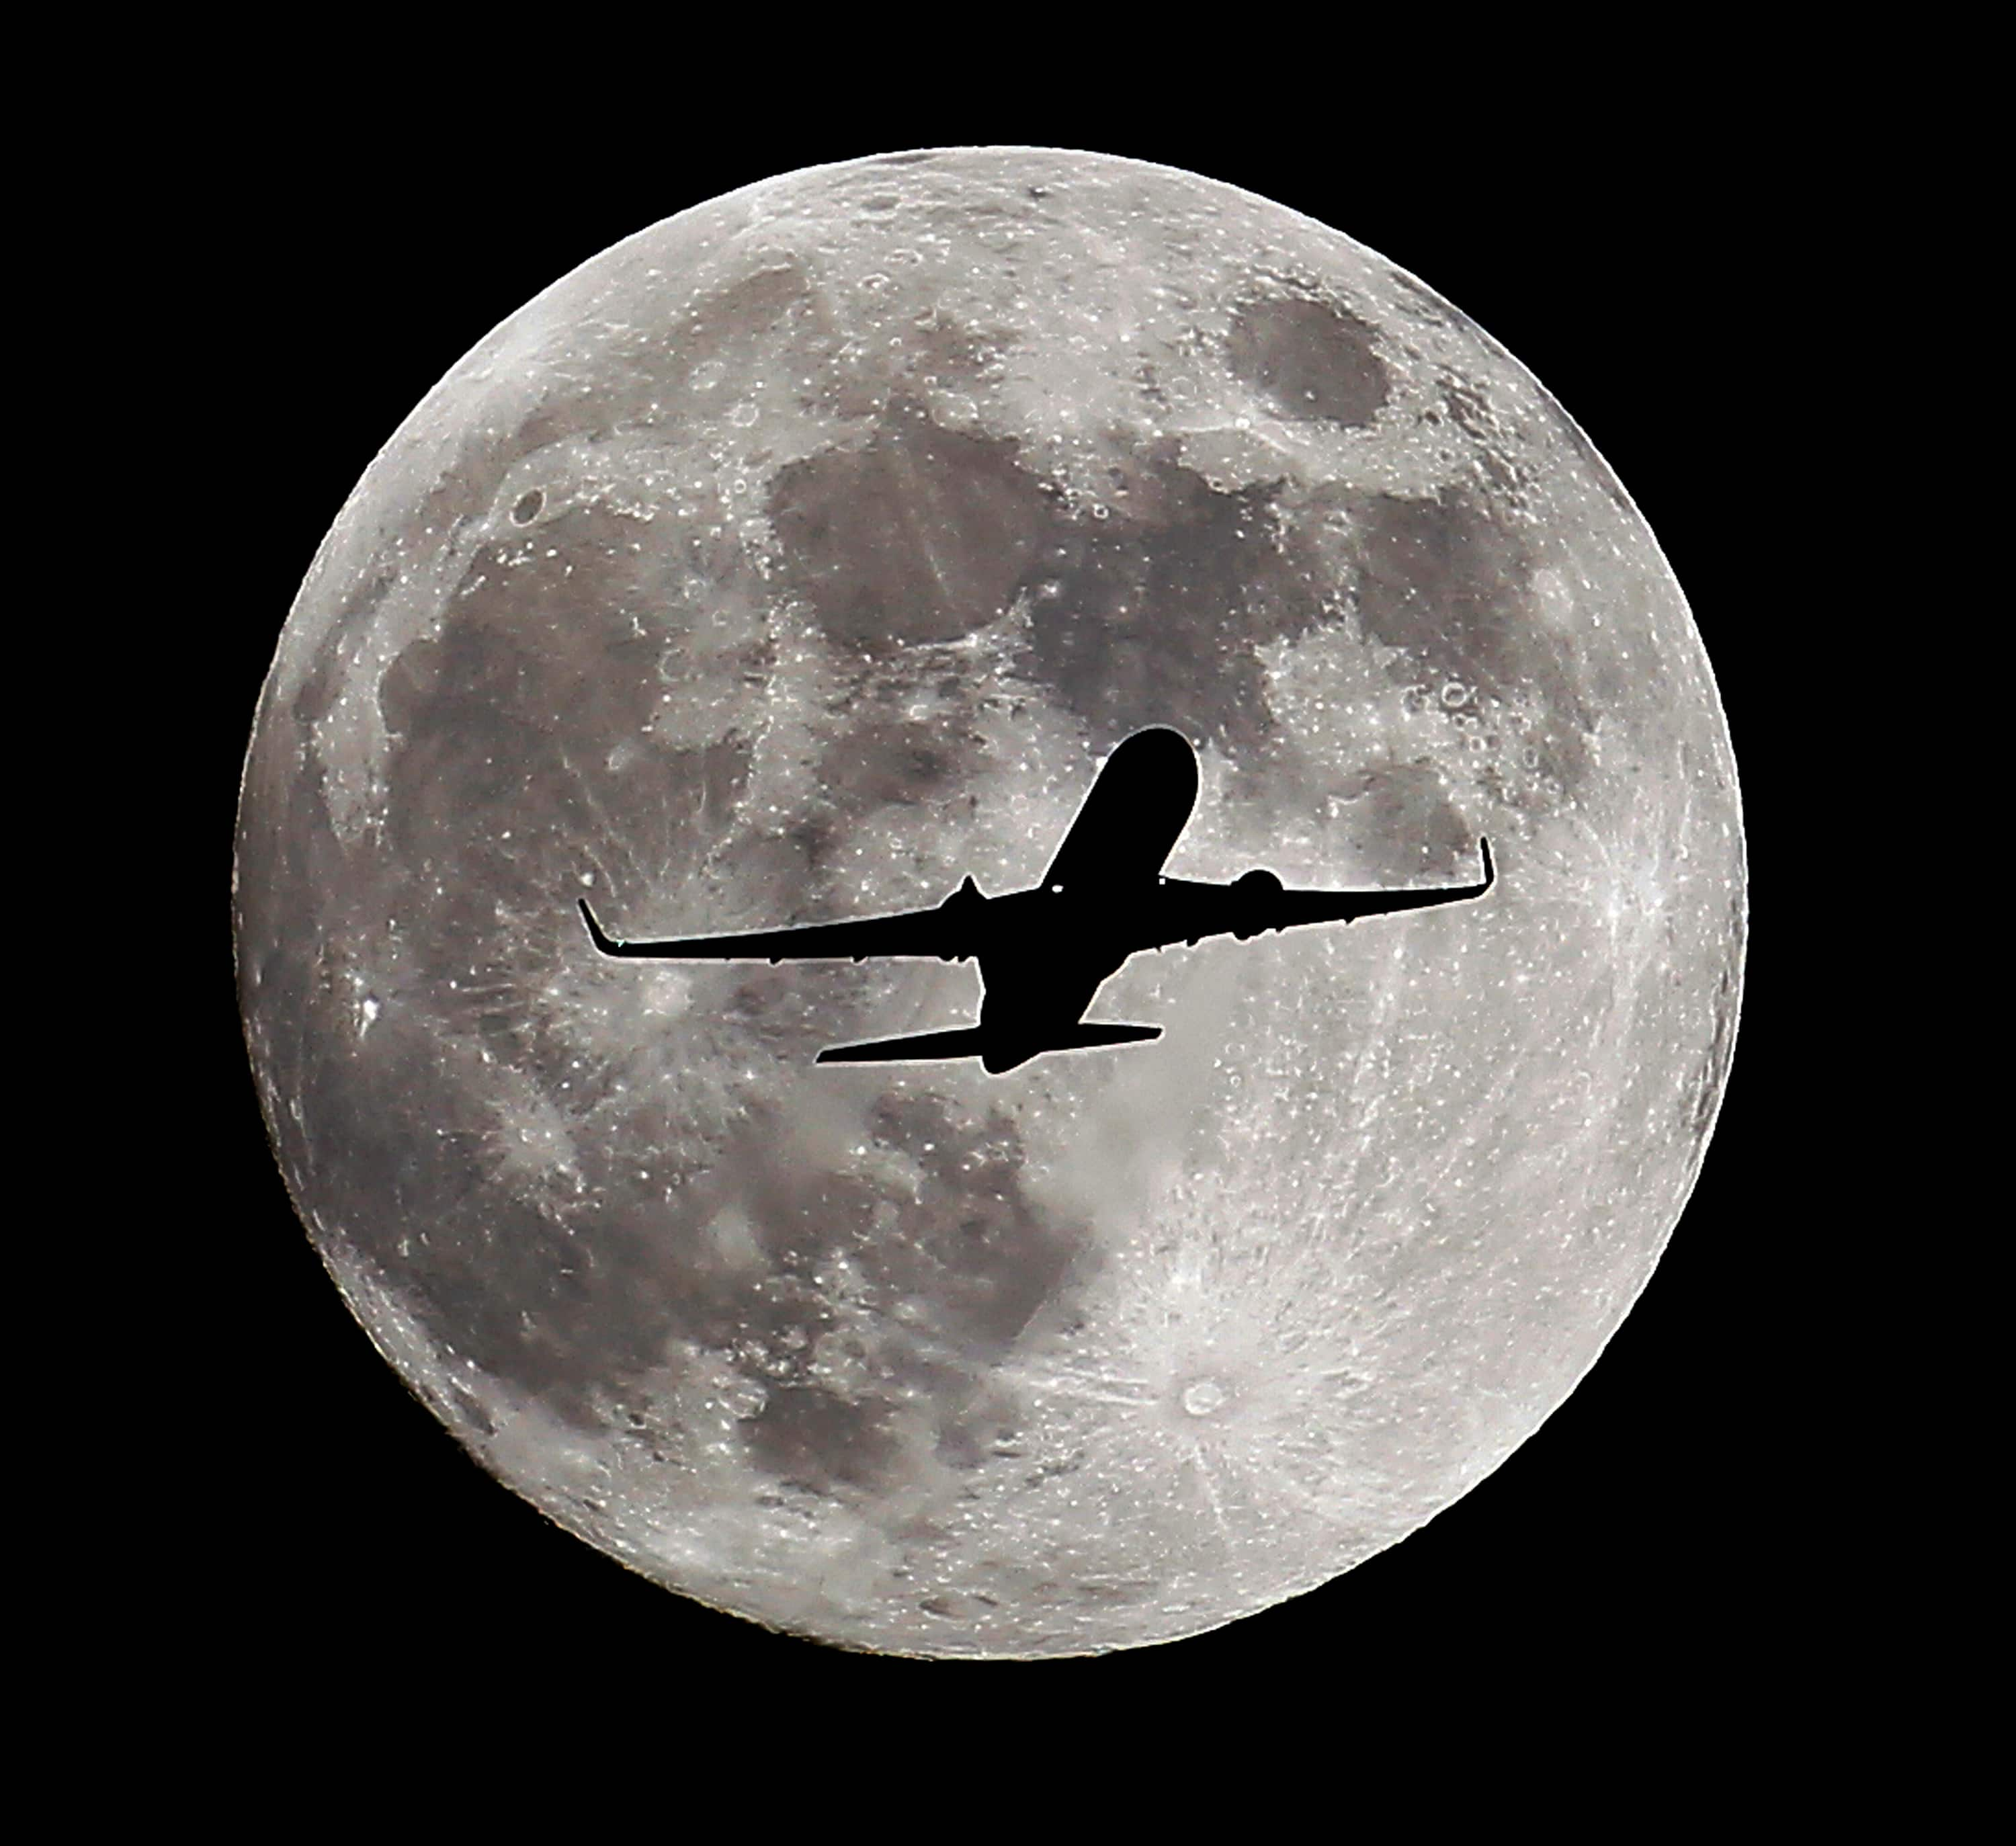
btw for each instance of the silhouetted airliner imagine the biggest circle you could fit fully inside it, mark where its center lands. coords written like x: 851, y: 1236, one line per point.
x: 1044, y: 953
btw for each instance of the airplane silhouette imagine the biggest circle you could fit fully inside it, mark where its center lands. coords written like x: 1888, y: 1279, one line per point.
x: 1046, y: 951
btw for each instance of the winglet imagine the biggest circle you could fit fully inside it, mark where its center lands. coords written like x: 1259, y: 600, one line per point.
x: 1490, y: 871
x: 595, y: 931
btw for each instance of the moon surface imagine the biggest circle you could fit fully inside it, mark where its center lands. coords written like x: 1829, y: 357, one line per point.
x: 807, y: 552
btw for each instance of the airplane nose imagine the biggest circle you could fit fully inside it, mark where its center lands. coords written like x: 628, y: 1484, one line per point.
x: 1161, y: 749
x: 1165, y: 761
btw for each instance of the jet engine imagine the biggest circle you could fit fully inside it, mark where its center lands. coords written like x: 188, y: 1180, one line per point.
x: 1253, y: 901
x: 965, y: 901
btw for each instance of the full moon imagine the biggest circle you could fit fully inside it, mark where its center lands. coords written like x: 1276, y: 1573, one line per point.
x: 808, y: 552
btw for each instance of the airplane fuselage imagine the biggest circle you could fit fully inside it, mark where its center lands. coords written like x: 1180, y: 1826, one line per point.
x: 1052, y: 947
x: 1049, y: 957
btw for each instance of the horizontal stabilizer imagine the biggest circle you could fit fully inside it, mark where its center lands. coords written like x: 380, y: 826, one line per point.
x: 963, y: 1041
x: 973, y: 1041
x: 1083, y: 1037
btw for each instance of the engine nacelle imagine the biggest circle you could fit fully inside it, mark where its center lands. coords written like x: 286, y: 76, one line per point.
x: 963, y: 902
x: 1253, y: 900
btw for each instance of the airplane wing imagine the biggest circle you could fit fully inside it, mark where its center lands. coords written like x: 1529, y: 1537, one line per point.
x: 1258, y: 903
x: 939, y: 934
